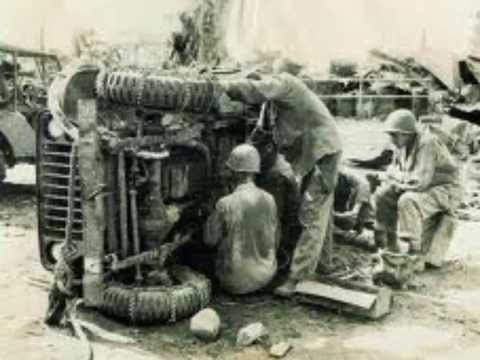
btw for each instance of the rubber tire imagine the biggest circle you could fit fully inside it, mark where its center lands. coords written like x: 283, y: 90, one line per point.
x: 158, y: 304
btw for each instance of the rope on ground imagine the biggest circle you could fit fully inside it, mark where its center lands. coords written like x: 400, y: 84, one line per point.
x: 78, y: 330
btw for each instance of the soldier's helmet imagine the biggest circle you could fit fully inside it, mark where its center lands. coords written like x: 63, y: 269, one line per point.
x: 244, y: 158
x: 401, y: 121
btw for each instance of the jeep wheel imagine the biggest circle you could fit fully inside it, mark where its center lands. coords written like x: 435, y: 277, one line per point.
x: 156, y: 304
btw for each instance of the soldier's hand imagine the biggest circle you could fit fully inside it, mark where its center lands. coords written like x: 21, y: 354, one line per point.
x: 414, y: 247
x: 410, y: 185
x: 397, y: 186
x: 298, y: 180
x: 349, y: 218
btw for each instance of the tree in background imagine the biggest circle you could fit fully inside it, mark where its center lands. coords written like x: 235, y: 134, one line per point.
x: 89, y: 47
x: 200, y: 38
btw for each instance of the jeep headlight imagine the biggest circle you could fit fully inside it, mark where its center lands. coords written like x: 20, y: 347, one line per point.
x: 55, y: 129
x: 55, y: 251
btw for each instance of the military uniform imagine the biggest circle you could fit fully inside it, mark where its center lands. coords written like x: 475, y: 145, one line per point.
x: 401, y: 214
x: 307, y: 134
x: 244, y: 227
x: 352, y: 194
x: 279, y: 181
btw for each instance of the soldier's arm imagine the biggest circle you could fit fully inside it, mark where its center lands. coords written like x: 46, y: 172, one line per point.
x: 257, y: 91
x: 360, y: 184
x: 393, y: 175
x: 422, y: 176
x: 215, y: 226
x: 278, y: 232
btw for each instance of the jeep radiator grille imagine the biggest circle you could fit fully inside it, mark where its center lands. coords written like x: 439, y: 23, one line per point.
x: 56, y: 168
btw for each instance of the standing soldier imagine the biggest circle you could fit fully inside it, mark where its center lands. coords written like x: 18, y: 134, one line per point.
x: 306, y: 132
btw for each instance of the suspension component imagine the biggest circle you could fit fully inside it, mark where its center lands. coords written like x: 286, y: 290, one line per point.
x: 122, y: 185
x: 134, y: 176
x: 156, y: 223
x: 136, y: 235
x: 115, y: 144
x: 158, y: 255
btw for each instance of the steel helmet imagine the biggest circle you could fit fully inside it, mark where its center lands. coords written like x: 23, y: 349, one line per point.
x: 401, y: 121
x: 244, y: 158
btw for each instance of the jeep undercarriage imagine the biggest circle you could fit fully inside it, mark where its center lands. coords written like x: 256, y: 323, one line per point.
x: 121, y: 207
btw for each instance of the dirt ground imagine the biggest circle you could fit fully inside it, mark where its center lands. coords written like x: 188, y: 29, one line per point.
x: 439, y: 319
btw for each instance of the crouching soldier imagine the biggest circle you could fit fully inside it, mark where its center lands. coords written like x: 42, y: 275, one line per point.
x: 244, y: 228
x: 422, y: 182
x: 353, y: 209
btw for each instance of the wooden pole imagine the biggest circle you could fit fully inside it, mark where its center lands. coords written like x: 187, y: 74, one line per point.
x: 92, y: 174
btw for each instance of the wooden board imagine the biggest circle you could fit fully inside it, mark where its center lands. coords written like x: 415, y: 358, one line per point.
x: 358, y: 299
x: 336, y: 293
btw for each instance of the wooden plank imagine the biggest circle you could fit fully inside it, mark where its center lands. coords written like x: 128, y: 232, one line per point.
x: 334, y: 305
x: 348, y: 284
x: 383, y: 303
x: 336, y: 293
x: 349, y: 297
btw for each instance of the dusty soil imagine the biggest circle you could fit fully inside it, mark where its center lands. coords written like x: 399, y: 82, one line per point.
x: 438, y: 319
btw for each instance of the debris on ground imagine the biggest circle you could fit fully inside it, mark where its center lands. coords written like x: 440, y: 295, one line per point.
x: 205, y: 324
x: 281, y: 349
x: 105, y: 334
x: 346, y: 296
x: 396, y: 270
x: 251, y: 333
x: 72, y: 320
x: 469, y: 214
x: 351, y: 263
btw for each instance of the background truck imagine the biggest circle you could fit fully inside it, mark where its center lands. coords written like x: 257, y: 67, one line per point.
x: 24, y: 78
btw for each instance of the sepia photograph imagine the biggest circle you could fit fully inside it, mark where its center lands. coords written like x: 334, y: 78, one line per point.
x: 239, y: 179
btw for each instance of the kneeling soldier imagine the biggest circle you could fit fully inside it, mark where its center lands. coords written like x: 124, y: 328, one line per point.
x: 244, y: 228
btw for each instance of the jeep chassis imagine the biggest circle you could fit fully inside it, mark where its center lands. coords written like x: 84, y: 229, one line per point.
x: 121, y: 204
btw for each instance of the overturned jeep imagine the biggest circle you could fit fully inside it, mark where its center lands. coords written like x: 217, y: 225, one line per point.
x: 129, y: 165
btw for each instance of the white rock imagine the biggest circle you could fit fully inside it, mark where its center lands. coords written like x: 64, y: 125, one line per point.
x: 205, y: 324
x: 250, y: 333
x: 280, y: 350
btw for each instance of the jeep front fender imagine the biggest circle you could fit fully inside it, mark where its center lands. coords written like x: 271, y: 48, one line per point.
x: 19, y: 134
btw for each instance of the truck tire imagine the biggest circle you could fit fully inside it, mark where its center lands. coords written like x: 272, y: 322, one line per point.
x: 158, y: 304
